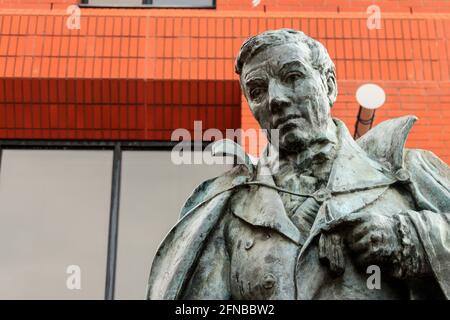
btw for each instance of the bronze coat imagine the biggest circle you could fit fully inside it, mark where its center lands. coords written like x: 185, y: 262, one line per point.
x: 236, y: 241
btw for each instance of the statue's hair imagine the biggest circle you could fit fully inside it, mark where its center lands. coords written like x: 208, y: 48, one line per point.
x: 319, y: 57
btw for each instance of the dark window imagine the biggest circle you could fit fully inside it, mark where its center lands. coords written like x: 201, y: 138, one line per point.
x: 150, y: 3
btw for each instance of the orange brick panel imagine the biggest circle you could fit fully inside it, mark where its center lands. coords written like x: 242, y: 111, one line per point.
x: 204, y: 47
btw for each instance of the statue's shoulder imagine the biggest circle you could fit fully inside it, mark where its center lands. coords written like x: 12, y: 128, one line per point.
x: 385, y: 143
x: 234, y: 176
x: 431, y: 179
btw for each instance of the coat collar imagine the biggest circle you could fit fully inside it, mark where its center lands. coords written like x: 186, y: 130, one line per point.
x: 353, y: 169
x: 352, y: 172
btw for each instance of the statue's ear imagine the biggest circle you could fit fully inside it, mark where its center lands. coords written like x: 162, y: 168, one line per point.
x: 332, y: 87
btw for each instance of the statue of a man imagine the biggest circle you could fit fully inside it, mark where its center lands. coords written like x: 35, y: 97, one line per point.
x: 321, y: 216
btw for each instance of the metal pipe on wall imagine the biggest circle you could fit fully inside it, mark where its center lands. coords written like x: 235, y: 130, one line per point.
x: 113, y: 224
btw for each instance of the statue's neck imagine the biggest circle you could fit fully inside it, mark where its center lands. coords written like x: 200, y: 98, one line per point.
x: 316, y: 160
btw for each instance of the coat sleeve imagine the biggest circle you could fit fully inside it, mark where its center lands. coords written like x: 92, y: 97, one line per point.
x: 178, y: 255
x: 211, y: 277
x: 430, y: 180
x: 430, y: 183
x: 434, y: 232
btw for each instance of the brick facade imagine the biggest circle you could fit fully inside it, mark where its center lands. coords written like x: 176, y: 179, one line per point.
x: 140, y: 73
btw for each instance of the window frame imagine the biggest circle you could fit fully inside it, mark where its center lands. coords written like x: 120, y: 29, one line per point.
x: 117, y: 146
x: 150, y: 5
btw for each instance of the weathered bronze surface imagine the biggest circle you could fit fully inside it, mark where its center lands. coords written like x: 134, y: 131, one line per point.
x: 248, y: 234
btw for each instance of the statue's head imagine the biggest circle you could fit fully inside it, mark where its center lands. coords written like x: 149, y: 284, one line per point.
x: 289, y: 82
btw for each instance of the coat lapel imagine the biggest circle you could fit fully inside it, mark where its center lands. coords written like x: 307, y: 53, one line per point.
x: 355, y: 182
x: 263, y: 207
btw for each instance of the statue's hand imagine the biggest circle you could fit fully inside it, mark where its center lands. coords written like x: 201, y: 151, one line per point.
x: 389, y: 241
x: 373, y: 239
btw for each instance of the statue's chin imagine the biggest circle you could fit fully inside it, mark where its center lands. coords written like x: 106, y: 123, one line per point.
x: 294, y: 142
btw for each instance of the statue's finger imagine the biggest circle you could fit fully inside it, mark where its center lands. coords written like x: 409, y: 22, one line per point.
x: 358, y: 232
x: 331, y: 252
x: 361, y: 245
x: 323, y: 247
x: 341, y: 225
x: 358, y: 218
x: 337, y: 263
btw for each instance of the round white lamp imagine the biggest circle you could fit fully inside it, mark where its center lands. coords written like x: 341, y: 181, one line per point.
x: 370, y: 97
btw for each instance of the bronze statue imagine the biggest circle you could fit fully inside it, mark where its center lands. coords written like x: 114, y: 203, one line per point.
x: 333, y: 207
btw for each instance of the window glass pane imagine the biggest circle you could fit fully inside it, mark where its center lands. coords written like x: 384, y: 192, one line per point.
x: 115, y: 3
x: 153, y: 190
x: 181, y: 3
x: 54, y: 212
x: 185, y: 3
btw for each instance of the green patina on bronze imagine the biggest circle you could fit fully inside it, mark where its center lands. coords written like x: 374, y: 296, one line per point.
x: 318, y: 208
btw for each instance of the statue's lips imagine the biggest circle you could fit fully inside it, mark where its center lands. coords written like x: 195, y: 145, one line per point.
x: 290, y: 124
x: 285, y: 120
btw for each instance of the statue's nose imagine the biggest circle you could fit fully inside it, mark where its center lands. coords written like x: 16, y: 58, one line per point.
x: 277, y: 104
x: 277, y: 98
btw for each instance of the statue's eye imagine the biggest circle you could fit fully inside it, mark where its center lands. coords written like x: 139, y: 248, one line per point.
x: 294, y: 76
x: 256, y: 93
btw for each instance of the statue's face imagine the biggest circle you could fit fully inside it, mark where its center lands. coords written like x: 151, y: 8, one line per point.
x: 286, y: 93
